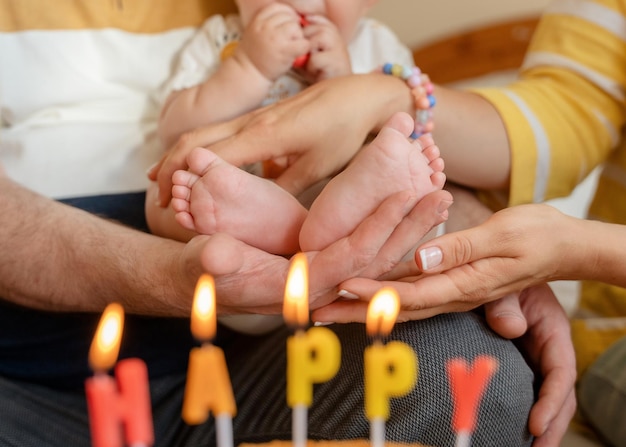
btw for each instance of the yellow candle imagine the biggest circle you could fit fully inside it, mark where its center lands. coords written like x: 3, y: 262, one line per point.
x: 208, y: 388
x: 313, y: 355
x: 390, y: 369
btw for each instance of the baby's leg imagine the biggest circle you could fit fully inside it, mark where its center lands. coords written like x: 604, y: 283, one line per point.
x: 390, y: 164
x: 214, y: 196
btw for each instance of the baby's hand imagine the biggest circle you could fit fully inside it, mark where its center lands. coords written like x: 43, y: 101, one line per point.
x: 329, y: 56
x: 273, y: 40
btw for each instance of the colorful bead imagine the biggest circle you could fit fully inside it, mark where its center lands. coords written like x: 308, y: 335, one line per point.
x: 422, y: 91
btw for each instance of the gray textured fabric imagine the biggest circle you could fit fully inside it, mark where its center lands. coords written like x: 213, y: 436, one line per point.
x: 602, y: 394
x: 36, y: 416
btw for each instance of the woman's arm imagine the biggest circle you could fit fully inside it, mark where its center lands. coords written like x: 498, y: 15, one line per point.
x: 527, y: 245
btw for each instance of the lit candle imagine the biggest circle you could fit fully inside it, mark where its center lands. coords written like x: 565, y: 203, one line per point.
x: 119, y: 409
x: 467, y: 386
x: 313, y: 355
x: 390, y: 369
x: 208, y: 388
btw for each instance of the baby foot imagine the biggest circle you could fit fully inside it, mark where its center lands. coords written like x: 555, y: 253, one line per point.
x: 215, y: 196
x: 390, y: 164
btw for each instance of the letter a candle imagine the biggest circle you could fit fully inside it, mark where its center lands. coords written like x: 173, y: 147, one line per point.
x: 119, y: 409
x: 313, y: 355
x: 390, y: 369
x: 208, y: 386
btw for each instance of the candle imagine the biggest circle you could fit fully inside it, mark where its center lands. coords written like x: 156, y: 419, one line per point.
x: 390, y: 369
x: 119, y: 409
x: 467, y: 386
x: 313, y: 355
x: 208, y: 387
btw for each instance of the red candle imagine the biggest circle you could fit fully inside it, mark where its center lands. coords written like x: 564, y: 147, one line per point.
x: 468, y: 386
x: 119, y: 408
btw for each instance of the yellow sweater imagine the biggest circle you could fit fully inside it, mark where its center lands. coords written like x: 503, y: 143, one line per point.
x: 565, y: 116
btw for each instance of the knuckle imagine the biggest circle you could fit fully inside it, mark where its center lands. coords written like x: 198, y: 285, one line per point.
x: 462, y: 250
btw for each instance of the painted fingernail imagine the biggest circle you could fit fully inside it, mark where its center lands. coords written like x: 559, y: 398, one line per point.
x: 431, y: 257
x: 347, y: 295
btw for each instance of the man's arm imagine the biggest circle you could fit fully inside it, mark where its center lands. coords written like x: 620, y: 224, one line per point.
x: 59, y: 258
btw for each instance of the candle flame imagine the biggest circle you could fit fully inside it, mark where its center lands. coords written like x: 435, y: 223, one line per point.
x: 105, y: 346
x: 203, y: 314
x: 296, y: 303
x: 382, y: 312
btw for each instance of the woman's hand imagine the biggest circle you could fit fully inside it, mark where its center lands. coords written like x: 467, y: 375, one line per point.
x: 319, y: 130
x: 512, y: 250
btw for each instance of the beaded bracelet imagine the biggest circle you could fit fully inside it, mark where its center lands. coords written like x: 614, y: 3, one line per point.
x: 422, y: 91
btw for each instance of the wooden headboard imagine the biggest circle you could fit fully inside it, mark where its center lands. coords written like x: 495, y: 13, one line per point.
x: 477, y: 52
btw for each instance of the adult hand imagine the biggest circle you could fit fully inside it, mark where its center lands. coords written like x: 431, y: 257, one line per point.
x: 548, y: 347
x: 319, y: 130
x: 514, y: 249
x: 253, y: 281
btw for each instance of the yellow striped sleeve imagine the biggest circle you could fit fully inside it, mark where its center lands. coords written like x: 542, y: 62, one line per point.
x: 566, y: 113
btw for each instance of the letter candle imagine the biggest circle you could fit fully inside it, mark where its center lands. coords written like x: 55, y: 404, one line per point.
x: 313, y: 355
x: 390, y: 369
x: 118, y: 408
x: 468, y: 386
x: 208, y: 386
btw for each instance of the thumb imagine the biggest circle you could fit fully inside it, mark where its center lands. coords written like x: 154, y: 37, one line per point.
x: 455, y: 249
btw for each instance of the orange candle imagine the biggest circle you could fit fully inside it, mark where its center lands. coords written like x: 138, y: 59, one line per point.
x: 390, y: 369
x: 208, y: 388
x: 313, y: 355
x: 467, y: 386
x: 119, y: 409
